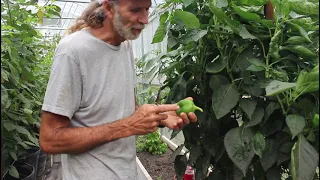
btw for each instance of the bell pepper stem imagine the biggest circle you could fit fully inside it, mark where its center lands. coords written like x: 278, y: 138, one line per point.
x: 197, y: 108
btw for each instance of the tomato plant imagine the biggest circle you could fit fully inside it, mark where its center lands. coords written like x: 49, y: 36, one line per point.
x: 257, y: 80
x: 25, y: 64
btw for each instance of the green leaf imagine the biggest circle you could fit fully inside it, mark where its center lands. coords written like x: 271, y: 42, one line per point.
x: 300, y: 51
x: 269, y: 157
x: 217, y: 12
x: 150, y: 75
x: 256, y: 65
x: 193, y: 35
x: 33, y: 140
x: 27, y: 111
x: 258, y: 144
x: 217, y: 80
x: 178, y: 91
x: 304, y: 7
x: 284, y: 7
x: 253, y: 2
x: 164, y: 18
x: 221, y: 3
x: 272, y: 106
x: 216, y: 66
x: 13, y: 155
x: 274, y: 173
x: 296, y: 40
x: 224, y: 99
x: 9, y: 126
x: 295, y: 123
x: 239, y: 148
x: 257, y: 62
x: 154, y: 62
x: 186, y: 3
x: 22, y: 130
x: 54, y: 9
x: 286, y: 147
x: 272, y: 126
x: 311, y: 136
x: 304, y: 160
x: 13, y: 172
x: 195, y: 153
x: 276, y: 87
x: 248, y: 106
x: 244, y: 33
x: 307, y: 82
x: 256, y: 117
x: 247, y: 15
x: 302, y: 31
x: 159, y: 34
x: 188, y: 19
x: 255, y: 68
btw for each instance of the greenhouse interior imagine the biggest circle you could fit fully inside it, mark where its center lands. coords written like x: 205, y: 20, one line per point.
x: 243, y: 77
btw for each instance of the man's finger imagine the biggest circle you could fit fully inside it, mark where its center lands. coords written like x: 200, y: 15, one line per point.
x: 160, y: 117
x: 185, y: 118
x: 192, y: 117
x: 165, y: 108
x: 190, y: 98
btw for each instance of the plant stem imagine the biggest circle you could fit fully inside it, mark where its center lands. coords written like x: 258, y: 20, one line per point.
x: 264, y: 51
x: 7, y: 1
x: 281, y: 105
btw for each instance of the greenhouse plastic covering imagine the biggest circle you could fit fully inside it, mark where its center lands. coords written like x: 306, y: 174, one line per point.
x: 71, y: 9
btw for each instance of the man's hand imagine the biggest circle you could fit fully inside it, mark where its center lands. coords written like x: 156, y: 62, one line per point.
x: 175, y: 122
x: 147, y: 118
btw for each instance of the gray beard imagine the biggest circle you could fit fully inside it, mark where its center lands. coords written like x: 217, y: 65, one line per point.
x: 121, y: 29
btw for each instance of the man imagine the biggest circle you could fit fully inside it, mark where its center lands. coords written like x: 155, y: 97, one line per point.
x: 89, y: 110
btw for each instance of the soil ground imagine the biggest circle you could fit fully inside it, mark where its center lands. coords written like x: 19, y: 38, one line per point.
x: 160, y: 167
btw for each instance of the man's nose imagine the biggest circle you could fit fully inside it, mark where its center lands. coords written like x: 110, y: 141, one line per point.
x: 144, y: 17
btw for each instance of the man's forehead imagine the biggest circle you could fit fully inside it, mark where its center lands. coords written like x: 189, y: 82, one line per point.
x: 136, y: 3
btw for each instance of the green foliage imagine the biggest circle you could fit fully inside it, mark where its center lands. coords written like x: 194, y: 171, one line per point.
x: 25, y: 66
x: 256, y: 79
x: 151, y: 143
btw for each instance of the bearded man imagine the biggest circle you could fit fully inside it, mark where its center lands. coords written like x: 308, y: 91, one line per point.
x: 89, y: 113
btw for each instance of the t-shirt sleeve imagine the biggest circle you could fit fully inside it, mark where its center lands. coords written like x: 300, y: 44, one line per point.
x: 64, y: 89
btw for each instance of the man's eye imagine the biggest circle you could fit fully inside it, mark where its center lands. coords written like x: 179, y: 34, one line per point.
x: 135, y: 10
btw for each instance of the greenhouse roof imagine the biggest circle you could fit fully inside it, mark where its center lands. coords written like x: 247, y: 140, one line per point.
x: 70, y: 10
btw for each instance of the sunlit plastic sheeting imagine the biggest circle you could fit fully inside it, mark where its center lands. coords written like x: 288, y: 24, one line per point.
x: 143, y: 44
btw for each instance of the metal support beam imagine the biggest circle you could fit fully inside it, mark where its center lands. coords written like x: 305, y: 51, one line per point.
x: 74, y: 1
x: 60, y: 18
x: 51, y: 28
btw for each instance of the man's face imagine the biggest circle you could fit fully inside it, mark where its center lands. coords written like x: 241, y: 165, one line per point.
x: 130, y: 17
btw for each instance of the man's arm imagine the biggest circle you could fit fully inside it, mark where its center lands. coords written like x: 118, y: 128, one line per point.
x: 57, y: 137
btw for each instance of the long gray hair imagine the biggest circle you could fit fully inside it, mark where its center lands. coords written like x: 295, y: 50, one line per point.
x: 93, y: 16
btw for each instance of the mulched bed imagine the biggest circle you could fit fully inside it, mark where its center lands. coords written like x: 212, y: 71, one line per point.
x: 160, y: 167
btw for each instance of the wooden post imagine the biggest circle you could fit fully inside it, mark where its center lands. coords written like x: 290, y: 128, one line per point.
x: 268, y: 11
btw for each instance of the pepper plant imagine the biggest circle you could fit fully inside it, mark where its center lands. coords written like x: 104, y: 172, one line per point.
x: 25, y: 64
x: 256, y: 80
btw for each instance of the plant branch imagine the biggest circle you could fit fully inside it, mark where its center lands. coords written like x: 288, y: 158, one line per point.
x: 263, y: 48
x: 9, y: 12
x: 281, y: 105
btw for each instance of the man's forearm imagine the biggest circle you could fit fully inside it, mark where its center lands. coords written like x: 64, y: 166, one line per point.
x: 78, y: 140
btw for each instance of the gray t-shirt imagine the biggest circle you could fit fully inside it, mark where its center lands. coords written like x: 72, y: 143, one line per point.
x: 92, y: 83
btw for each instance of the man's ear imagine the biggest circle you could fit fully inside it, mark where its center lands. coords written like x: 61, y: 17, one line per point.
x: 109, y: 9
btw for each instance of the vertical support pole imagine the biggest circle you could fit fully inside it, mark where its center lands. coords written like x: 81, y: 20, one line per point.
x: 268, y: 11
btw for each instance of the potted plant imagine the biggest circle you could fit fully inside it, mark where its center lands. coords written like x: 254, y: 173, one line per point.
x: 25, y: 171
